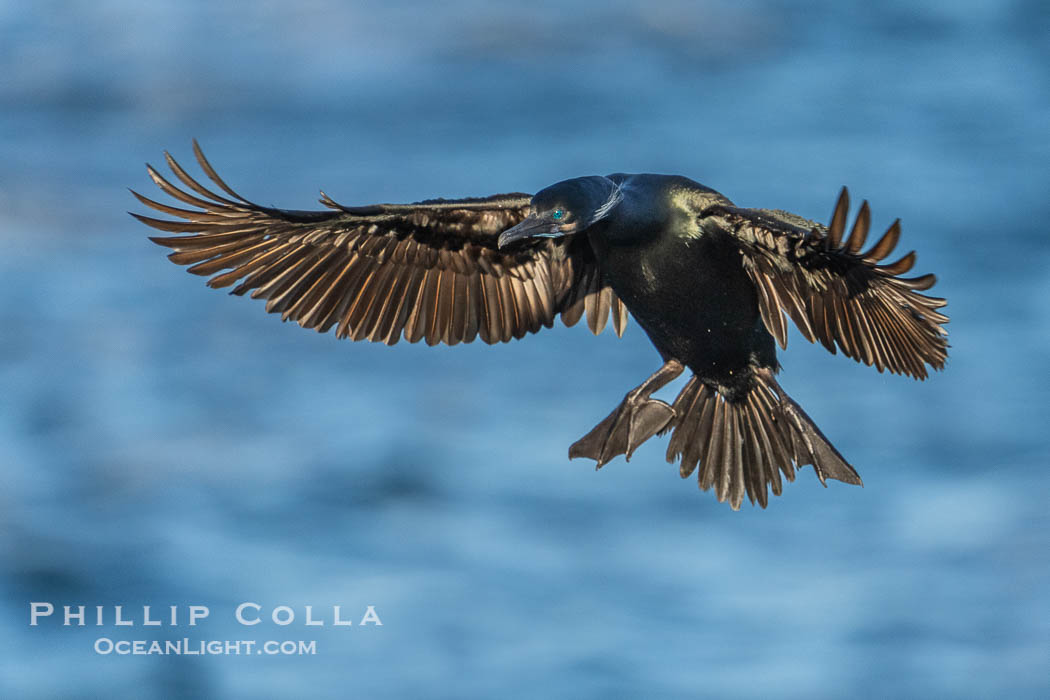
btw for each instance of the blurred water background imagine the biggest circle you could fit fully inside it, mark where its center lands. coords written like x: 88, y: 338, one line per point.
x: 164, y: 444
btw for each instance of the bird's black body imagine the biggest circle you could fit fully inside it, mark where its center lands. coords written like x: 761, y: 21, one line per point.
x: 683, y: 284
x: 709, y: 283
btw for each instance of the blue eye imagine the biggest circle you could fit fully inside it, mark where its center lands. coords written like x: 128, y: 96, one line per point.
x: 558, y: 214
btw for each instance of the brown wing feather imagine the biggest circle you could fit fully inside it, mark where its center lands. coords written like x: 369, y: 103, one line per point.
x: 833, y: 292
x: 428, y: 271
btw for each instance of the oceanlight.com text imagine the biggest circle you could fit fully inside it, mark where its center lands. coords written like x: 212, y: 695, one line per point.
x: 105, y: 646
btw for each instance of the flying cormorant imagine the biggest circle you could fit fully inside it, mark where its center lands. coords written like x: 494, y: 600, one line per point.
x: 709, y: 283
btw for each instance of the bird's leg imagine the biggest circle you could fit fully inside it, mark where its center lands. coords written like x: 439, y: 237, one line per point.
x: 633, y: 422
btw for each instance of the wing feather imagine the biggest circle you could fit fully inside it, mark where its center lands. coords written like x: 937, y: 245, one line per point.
x: 426, y: 271
x: 834, y: 293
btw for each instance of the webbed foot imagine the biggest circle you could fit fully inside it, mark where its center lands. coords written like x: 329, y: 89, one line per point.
x: 630, y: 424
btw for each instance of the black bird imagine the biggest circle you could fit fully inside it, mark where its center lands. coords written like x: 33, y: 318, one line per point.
x: 709, y: 283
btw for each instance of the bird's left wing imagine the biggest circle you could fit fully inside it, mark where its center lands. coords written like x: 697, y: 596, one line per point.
x: 426, y: 271
x: 832, y: 291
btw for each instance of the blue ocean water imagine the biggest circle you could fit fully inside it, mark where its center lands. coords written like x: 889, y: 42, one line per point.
x: 164, y: 444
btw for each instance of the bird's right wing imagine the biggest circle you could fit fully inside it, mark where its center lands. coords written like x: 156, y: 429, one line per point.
x: 835, y: 293
x: 428, y: 271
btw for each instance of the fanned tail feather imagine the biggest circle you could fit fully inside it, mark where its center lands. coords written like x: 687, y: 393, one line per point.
x: 745, y: 445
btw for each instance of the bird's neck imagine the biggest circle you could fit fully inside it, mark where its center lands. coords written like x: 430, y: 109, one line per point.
x: 637, y: 218
x: 654, y: 208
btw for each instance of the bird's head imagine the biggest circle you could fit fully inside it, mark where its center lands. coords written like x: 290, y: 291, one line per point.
x: 568, y: 207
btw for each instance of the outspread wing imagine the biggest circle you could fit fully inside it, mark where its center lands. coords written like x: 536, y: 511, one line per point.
x: 428, y: 271
x: 835, y: 293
